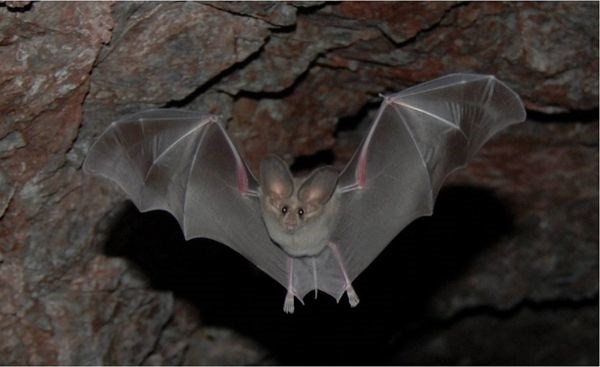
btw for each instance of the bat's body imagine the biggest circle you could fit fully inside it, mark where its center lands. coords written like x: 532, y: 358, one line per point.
x: 308, y: 240
x: 321, y: 231
x: 300, y: 214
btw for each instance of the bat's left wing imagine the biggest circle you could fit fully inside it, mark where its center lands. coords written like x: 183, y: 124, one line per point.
x: 184, y: 162
x: 419, y: 137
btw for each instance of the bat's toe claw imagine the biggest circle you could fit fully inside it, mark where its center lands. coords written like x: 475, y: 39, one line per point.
x: 352, y: 297
x: 288, y: 305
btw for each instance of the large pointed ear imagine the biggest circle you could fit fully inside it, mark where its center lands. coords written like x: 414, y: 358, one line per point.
x: 275, y: 178
x: 319, y: 186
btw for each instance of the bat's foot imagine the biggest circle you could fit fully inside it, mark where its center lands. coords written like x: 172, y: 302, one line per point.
x: 352, y: 297
x: 288, y: 304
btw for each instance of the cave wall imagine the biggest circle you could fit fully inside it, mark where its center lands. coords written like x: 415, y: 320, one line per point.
x: 504, y: 272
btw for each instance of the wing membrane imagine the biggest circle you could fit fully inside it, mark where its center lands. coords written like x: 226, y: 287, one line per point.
x: 184, y: 162
x: 418, y: 138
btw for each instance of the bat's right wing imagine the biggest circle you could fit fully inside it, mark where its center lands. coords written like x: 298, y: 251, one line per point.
x: 184, y: 162
x: 419, y: 136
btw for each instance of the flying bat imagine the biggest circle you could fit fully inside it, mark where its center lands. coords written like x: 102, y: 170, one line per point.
x: 322, y: 230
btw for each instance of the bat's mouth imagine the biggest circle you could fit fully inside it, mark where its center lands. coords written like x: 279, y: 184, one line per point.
x: 289, y: 225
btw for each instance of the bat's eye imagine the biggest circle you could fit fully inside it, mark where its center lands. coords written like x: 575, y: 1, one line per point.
x: 284, y: 209
x: 300, y: 212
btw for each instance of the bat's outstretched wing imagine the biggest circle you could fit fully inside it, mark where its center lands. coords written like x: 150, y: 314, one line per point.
x: 419, y: 136
x: 184, y: 162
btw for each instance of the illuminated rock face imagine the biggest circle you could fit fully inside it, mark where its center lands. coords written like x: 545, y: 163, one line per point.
x: 85, y: 279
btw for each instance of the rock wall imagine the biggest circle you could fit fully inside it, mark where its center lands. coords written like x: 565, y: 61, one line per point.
x: 504, y: 272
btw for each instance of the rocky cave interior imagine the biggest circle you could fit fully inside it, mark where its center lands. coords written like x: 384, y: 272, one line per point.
x: 504, y: 272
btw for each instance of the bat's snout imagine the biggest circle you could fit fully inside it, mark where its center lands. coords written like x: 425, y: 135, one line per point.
x: 290, y: 223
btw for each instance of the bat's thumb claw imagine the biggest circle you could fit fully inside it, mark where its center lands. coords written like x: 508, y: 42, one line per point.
x: 288, y: 304
x: 352, y: 297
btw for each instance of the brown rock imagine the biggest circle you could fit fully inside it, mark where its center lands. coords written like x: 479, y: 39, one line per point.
x: 176, y: 337
x: 400, y: 21
x: 151, y: 63
x: 281, y: 125
x: 278, y: 14
x: 218, y: 346
x: 45, y: 232
x: 523, y: 42
x: 548, y: 176
x: 536, y: 326
x: 287, y: 56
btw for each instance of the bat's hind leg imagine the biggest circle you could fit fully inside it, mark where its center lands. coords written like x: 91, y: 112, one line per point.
x: 352, y: 296
x: 288, y: 304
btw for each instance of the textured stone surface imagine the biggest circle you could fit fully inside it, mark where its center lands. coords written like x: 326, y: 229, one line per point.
x: 288, y: 55
x: 400, y: 21
x: 499, y: 339
x: 541, y: 49
x: 217, y: 346
x: 174, y: 341
x: 512, y: 246
x: 61, y: 302
x: 551, y: 191
x: 275, y: 13
x: 166, y: 50
x: 296, y: 124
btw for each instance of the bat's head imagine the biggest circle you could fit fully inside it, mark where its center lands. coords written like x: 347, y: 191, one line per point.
x: 290, y: 205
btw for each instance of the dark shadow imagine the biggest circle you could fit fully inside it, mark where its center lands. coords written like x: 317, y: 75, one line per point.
x: 18, y: 8
x: 584, y: 116
x: 352, y: 122
x: 308, y: 163
x: 394, y: 290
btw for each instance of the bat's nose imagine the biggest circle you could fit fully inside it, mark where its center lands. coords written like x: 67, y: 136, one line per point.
x: 290, y: 225
x: 290, y: 222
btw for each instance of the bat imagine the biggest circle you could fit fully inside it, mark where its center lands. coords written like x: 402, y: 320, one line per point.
x: 317, y: 232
